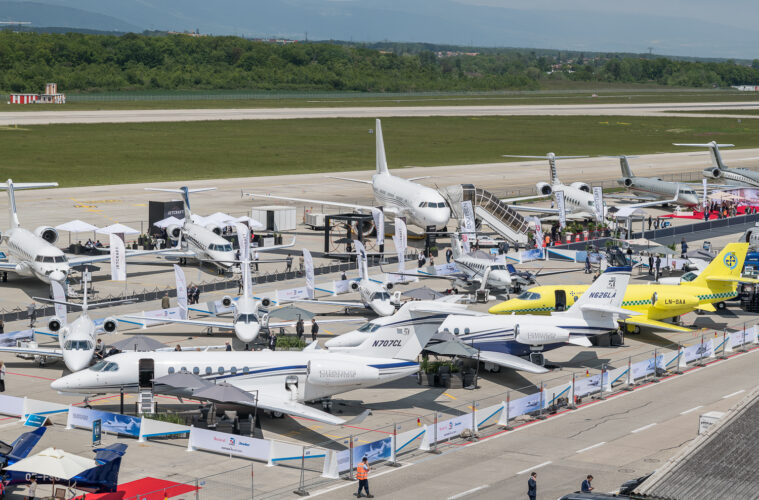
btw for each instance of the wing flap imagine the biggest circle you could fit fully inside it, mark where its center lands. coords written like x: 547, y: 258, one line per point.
x: 658, y: 325
x: 36, y: 351
x: 511, y: 361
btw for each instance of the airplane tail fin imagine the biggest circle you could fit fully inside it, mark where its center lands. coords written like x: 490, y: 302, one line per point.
x: 11, y: 187
x: 106, y: 475
x: 23, y: 445
x: 625, y: 166
x: 604, y: 296
x: 551, y: 157
x: 724, y: 271
x: 713, y: 150
x: 185, y: 192
x: 381, y: 158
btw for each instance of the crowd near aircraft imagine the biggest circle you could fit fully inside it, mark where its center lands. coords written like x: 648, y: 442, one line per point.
x: 420, y: 205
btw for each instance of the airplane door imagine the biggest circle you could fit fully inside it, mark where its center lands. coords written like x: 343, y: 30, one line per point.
x: 146, y: 372
x: 561, y: 300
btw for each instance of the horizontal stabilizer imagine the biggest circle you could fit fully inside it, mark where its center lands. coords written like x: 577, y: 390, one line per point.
x: 732, y: 279
x: 511, y: 361
x: 707, y: 308
x: 608, y: 309
x: 656, y: 325
x: 349, y: 179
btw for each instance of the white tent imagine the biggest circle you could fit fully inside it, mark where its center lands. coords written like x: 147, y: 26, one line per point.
x: 220, y: 218
x: 55, y: 463
x: 76, y: 226
x: 252, y: 223
x: 117, y: 229
x: 168, y: 221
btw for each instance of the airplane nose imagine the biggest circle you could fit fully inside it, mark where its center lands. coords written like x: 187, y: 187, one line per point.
x: 247, y: 333
x: 77, y: 363
x: 59, y: 384
x: 57, y: 276
x: 383, y: 308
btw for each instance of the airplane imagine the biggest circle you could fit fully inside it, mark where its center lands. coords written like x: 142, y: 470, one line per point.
x: 76, y: 340
x: 420, y: 205
x: 505, y: 340
x: 712, y: 287
x: 718, y: 170
x: 203, y: 243
x: 374, y: 296
x: 281, y: 380
x: 654, y: 187
x: 100, y: 479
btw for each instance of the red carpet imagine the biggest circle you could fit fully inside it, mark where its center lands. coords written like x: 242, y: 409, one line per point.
x: 148, y: 488
x: 700, y: 215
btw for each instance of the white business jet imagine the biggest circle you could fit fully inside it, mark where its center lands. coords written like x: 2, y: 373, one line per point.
x: 506, y: 340
x: 420, y: 205
x: 202, y: 242
x: 281, y: 381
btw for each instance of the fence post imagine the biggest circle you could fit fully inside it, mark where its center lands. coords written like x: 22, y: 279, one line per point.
x: 542, y: 403
x: 742, y: 348
x: 573, y: 399
x: 630, y: 380
x: 474, y: 436
x: 434, y: 437
x: 508, y: 403
x: 395, y: 446
x: 701, y: 352
x: 252, y: 483
x: 601, y: 396
x: 656, y: 366
x: 350, y: 463
x: 301, y: 491
x: 724, y: 344
x: 197, y: 489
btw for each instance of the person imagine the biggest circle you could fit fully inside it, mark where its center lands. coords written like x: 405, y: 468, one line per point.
x: 2, y: 376
x: 289, y: 260
x: 650, y: 221
x: 650, y: 264
x: 656, y: 223
x: 301, y: 263
x: 273, y: 342
x: 299, y: 328
x: 362, y: 474
x: 448, y: 255
x: 195, y: 295
x: 255, y: 259
x: 532, y: 486
x: 587, y: 263
x: 2, y: 488
x: 683, y: 248
x: 99, y: 349
x: 706, y: 214
x: 658, y: 266
x: 314, y: 328
x: 228, y: 346
x: 178, y: 348
x: 165, y: 303
x: 420, y: 259
x: 32, y: 489
x: 586, y: 486
x: 506, y: 247
x: 239, y: 286
x: 343, y: 276
x: 2, y: 326
x: 629, y: 256
x: 432, y: 260
x: 32, y: 311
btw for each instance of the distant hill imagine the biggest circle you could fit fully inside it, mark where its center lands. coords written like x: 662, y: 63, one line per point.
x: 41, y: 14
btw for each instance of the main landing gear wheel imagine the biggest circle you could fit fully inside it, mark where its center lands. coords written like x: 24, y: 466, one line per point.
x: 721, y: 306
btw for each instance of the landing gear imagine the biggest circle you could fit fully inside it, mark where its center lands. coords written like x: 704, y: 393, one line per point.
x: 327, y: 405
x: 721, y: 306
x: 537, y: 358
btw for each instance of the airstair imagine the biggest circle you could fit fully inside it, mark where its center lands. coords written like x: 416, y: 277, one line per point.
x: 489, y: 210
x: 146, y: 401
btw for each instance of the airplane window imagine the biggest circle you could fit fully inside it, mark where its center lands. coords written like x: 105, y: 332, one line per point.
x: 208, y: 370
x: 456, y: 331
x: 467, y: 330
x: 38, y: 258
x: 196, y: 370
x: 221, y: 370
x: 171, y: 370
x: 368, y: 327
x: 225, y: 248
x: 233, y: 370
x: 98, y: 367
x: 245, y: 369
x: 48, y: 259
x: 111, y: 367
x: 423, y: 204
x: 183, y: 369
x: 529, y: 296
x: 60, y: 258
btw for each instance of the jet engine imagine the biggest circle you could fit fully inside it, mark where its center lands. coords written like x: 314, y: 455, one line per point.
x: 47, y: 233
x: 389, y: 286
x: 340, y: 373
x: 174, y: 232
x: 544, y: 188
x: 713, y: 173
x: 226, y: 301
x: 54, y: 324
x: 354, y: 285
x: 110, y: 324
x: 539, y: 335
x: 266, y: 302
x: 215, y: 228
x: 627, y: 182
x: 581, y: 186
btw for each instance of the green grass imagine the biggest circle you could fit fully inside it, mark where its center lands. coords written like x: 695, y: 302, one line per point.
x: 639, y: 95
x: 75, y: 155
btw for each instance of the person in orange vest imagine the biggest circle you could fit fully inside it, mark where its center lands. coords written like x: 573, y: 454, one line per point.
x: 362, y: 474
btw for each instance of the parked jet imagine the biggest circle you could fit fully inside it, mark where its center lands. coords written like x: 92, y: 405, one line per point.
x: 281, y: 381
x: 203, y: 243
x: 420, y: 205
x: 712, y: 287
x: 654, y: 188
x: 718, y: 170
x: 504, y: 340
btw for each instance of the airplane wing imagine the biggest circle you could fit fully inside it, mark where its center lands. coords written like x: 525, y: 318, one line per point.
x: 707, y: 308
x: 321, y: 322
x: 542, y: 210
x: 273, y: 403
x: 525, y: 198
x: 91, y: 259
x: 320, y: 202
x: 7, y: 266
x: 196, y: 322
x: 349, y: 179
x: 510, y: 361
x: 273, y: 247
x: 23, y: 445
x: 36, y: 351
x: 419, y: 178
x: 179, y: 254
x: 608, y: 309
x: 346, y: 303
x: 658, y: 325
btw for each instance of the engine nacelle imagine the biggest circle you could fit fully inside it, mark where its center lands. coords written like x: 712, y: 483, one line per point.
x: 581, y: 186
x: 340, y: 373
x: 354, y: 285
x: 54, y: 324
x: 667, y: 301
x: 215, y: 228
x: 174, y: 232
x: 226, y: 301
x: 627, y: 182
x: 539, y: 335
x: 266, y: 302
x: 110, y: 324
x: 544, y: 189
x: 47, y: 233
x: 389, y: 286
x: 713, y: 173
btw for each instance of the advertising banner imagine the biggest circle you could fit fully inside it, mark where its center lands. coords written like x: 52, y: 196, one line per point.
x: 281, y: 452
x: 308, y: 263
x: 445, y: 269
x: 561, y: 206
x: 409, y: 440
x: 11, y: 405
x: 552, y: 394
x: 97, y: 432
x: 43, y: 407
x: 230, y: 444
x: 489, y: 415
x: 598, y: 202
x: 693, y: 352
x: 181, y: 291
x: 447, y: 429
x: 243, y: 241
x: 9, y: 339
x: 530, y: 255
x: 157, y: 428
x: 379, y: 224
x: 374, y: 451
x: 587, y: 385
x: 524, y: 405
x: 538, y: 232
x: 292, y: 293
x: 705, y: 201
x: 118, y: 258
x: 115, y: 423
x: 60, y: 295
x: 400, y: 241
x: 740, y: 337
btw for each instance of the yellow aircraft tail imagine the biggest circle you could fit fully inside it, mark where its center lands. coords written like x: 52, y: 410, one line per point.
x: 724, y: 272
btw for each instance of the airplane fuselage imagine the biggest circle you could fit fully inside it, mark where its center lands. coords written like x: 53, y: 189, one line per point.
x: 34, y: 256
x: 376, y: 297
x: 77, y: 340
x: 421, y: 205
x: 498, y: 277
x: 737, y: 176
x: 663, y: 190
x: 208, y: 245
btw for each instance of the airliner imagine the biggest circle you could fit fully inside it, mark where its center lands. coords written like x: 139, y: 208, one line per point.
x: 420, y: 205
x: 281, y: 381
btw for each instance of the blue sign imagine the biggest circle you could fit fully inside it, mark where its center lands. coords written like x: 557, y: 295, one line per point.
x: 34, y: 420
x: 97, y: 429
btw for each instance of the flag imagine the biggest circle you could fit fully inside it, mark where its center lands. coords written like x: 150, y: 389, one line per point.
x: 561, y: 207
x: 379, y: 224
x: 181, y: 291
x: 598, y: 202
x: 118, y: 258
x: 308, y: 263
x: 400, y: 240
x: 360, y: 258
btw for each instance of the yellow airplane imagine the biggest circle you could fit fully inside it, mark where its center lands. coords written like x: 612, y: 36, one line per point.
x: 715, y: 284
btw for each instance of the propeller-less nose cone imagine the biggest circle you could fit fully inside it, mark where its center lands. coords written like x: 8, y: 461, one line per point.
x: 57, y: 276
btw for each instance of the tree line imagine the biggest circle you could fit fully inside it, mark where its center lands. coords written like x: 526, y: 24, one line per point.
x: 87, y: 62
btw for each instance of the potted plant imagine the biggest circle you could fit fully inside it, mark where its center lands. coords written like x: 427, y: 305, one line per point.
x: 433, y: 251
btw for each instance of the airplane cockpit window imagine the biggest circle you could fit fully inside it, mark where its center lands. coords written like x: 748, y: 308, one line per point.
x: 60, y: 258
x: 111, y: 367
x: 498, y: 267
x: 529, y: 296
x: 423, y: 204
x: 368, y: 327
x: 380, y: 296
x: 220, y: 248
x: 38, y: 258
x: 77, y: 345
x: 247, y: 318
x: 98, y: 367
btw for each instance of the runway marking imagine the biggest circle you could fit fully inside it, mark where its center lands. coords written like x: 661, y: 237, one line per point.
x: 591, y: 447
x: 468, y: 492
x: 692, y: 409
x: 640, y: 429
x: 452, y: 397
x: 533, y: 468
x: 734, y: 394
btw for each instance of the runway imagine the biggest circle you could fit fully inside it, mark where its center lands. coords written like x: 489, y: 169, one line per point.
x: 187, y: 115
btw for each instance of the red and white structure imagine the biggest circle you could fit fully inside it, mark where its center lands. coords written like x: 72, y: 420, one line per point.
x: 23, y: 98
x: 51, y: 96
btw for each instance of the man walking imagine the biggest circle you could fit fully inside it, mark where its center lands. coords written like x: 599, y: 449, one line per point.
x: 532, y: 486
x: 683, y: 249
x: 658, y: 267
x: 2, y: 376
x: 650, y: 264
x: 165, y: 304
x: 32, y: 312
x: 314, y: 329
x: 289, y: 263
x: 586, y: 486
x: 362, y: 474
x: 299, y: 329
x: 273, y: 342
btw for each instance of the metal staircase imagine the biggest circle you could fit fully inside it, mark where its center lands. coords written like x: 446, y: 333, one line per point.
x: 145, y: 401
x: 489, y: 209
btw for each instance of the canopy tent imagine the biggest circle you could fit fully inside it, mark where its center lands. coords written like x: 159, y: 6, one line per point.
x: 138, y: 343
x: 224, y: 393
x: 183, y: 380
x: 117, y: 229
x: 291, y: 313
x: 422, y: 293
x: 55, y: 463
x: 452, y: 348
x: 169, y: 221
x: 251, y: 222
x: 724, y: 196
x: 661, y: 250
x: 76, y: 226
x: 628, y: 212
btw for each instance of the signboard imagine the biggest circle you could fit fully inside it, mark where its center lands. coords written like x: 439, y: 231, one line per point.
x: 292, y: 293
x: 118, y: 258
x: 97, y: 429
x: 524, y: 405
x: 451, y: 428
x: 115, y: 423
x: 562, y: 207
x: 467, y: 224
x: 598, y: 202
x: 181, y: 291
x: 35, y: 420
x: 538, y: 232
x: 308, y: 263
x: 9, y: 339
x: 374, y: 452
x: 705, y: 201
x: 230, y: 444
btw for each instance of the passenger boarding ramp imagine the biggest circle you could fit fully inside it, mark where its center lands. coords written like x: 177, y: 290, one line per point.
x: 489, y: 210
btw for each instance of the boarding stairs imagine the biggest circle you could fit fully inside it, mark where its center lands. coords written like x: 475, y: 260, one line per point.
x: 489, y: 209
x: 146, y: 401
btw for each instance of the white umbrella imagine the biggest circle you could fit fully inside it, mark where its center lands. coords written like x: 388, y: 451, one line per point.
x: 76, y: 226
x: 252, y: 223
x: 117, y: 229
x: 55, y: 463
x: 168, y: 221
x: 220, y: 218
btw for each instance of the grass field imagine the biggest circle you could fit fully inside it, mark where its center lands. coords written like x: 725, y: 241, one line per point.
x: 76, y: 155
x: 216, y: 101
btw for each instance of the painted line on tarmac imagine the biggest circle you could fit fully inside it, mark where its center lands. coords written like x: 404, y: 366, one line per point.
x: 641, y: 429
x: 591, y: 447
x: 530, y: 469
x: 468, y: 492
x: 734, y: 394
x: 691, y: 410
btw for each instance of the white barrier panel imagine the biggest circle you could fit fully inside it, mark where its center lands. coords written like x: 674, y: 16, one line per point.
x: 452, y: 427
x: 158, y: 428
x: 229, y: 444
x: 642, y: 369
x: 446, y: 269
x: 374, y: 451
x: 281, y: 452
x: 11, y: 405
x: 693, y: 352
x: 115, y: 423
x: 587, y: 385
x: 489, y: 415
x: 524, y: 405
x: 405, y: 441
x: 740, y: 338
x: 330, y: 465
x: 157, y: 317
x: 43, y: 407
x: 670, y: 360
x: 292, y: 293
x: 554, y: 393
x: 9, y: 339
x: 612, y: 376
